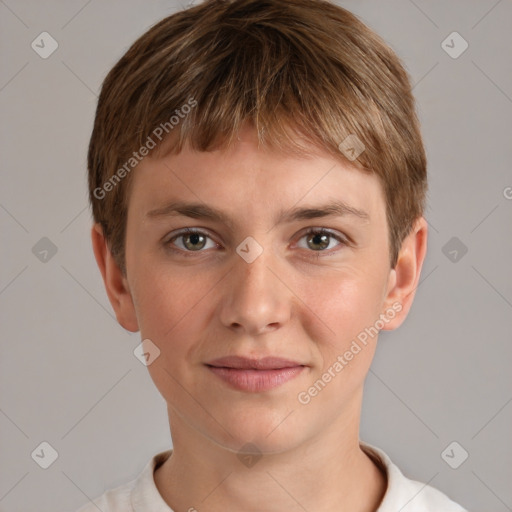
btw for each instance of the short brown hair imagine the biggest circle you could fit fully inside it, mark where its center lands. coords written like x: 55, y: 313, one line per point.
x: 292, y: 68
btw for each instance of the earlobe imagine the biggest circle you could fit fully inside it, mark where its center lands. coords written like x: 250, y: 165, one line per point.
x: 404, y: 278
x: 116, y: 284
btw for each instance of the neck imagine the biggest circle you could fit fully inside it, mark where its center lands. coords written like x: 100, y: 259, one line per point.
x: 326, y: 473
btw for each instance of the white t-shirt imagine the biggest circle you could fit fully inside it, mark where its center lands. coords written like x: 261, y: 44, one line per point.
x: 402, y: 494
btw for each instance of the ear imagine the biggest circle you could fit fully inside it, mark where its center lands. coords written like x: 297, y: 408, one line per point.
x: 116, y: 284
x: 404, y: 278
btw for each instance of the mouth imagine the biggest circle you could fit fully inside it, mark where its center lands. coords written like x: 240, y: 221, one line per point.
x: 255, y: 375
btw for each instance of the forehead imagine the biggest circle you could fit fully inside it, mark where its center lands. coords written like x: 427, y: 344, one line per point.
x: 249, y: 181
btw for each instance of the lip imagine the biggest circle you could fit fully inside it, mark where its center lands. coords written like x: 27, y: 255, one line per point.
x: 255, y: 375
x: 246, y: 363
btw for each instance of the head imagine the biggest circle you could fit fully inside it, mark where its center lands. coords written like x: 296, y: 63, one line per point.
x: 257, y: 110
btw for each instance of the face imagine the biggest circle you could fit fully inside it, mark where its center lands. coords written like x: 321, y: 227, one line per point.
x: 261, y: 279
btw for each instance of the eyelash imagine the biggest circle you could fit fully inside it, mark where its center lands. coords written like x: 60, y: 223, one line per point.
x: 313, y: 231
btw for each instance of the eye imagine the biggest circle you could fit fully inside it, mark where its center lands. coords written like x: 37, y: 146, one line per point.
x: 192, y: 240
x: 319, y: 239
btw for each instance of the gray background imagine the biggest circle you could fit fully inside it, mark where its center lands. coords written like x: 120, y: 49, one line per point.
x: 68, y: 375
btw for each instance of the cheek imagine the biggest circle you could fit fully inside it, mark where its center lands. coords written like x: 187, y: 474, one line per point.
x: 344, y: 303
x: 170, y: 308
x: 167, y: 304
x: 346, y: 307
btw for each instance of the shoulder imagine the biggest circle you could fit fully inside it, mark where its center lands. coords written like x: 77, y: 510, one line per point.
x: 405, y: 494
x: 114, y: 500
x: 140, y: 493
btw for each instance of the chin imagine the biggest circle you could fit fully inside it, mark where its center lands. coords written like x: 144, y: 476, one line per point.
x: 269, y: 432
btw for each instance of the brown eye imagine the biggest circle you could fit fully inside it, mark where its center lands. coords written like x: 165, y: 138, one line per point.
x: 193, y: 241
x: 190, y: 241
x: 320, y: 240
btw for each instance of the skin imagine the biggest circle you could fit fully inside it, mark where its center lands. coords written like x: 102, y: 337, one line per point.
x: 287, y: 303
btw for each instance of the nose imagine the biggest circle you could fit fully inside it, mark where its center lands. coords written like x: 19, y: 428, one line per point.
x: 255, y: 298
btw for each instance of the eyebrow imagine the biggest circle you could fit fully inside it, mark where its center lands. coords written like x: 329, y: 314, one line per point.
x: 336, y: 208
